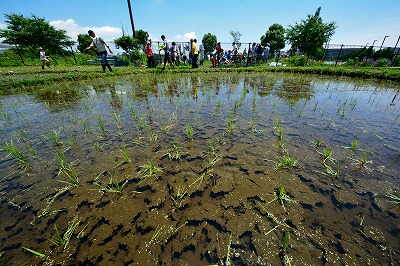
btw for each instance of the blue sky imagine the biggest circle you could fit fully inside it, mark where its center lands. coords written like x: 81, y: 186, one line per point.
x: 359, y: 21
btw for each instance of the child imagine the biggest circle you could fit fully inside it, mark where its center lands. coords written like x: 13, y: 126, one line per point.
x: 45, y: 59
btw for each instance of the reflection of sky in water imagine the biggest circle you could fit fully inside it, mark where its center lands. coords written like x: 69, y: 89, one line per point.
x: 337, y: 111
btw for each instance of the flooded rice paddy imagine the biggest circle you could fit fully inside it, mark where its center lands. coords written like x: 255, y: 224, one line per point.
x: 210, y: 169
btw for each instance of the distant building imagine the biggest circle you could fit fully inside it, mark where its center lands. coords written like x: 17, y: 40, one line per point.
x: 334, y: 52
x: 4, y: 46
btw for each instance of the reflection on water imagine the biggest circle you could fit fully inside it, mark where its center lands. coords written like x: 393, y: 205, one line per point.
x: 187, y: 169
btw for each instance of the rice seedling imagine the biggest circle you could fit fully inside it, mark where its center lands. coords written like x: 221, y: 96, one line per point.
x: 173, y: 153
x: 101, y: 124
x: 236, y: 105
x: 133, y: 111
x: 231, y: 125
x: 47, y: 210
x: 155, y: 237
x: 114, y: 186
x: 364, y: 158
x: 331, y: 172
x: 281, y: 146
x: 5, y: 115
x: 72, y: 175
x: 61, y: 159
x: 189, y: 132
x: 282, y: 196
x: 64, y: 239
x: 319, y: 142
x: 280, y: 131
x: 201, y: 178
x: 41, y: 255
x: 117, y: 118
x: 21, y: 134
x: 379, y: 137
x: 86, y: 127
x: 354, y: 144
x: 159, y: 232
x: 124, y: 153
x: 327, y: 155
x: 272, y: 217
x: 274, y: 107
x: 285, y: 242
x: 13, y: 150
x: 353, y: 104
x: 331, y: 123
x: 13, y: 204
x: 277, y: 124
x: 286, y: 162
x: 179, y: 196
x: 152, y: 137
x: 149, y: 169
x: 392, y: 197
x: 55, y: 138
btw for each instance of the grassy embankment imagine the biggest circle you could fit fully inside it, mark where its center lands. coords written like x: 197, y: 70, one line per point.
x: 23, y: 78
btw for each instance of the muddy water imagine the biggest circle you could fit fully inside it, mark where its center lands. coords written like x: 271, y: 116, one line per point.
x: 221, y: 169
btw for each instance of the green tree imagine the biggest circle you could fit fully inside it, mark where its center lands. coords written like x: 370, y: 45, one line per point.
x: 34, y: 32
x: 126, y: 43
x: 275, y: 36
x: 133, y: 47
x: 310, y: 34
x: 210, y: 41
x: 84, y: 41
x: 141, y: 37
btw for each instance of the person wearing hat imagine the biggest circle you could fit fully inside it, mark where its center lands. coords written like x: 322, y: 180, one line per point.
x: 44, y: 58
x: 150, y: 57
x: 101, y: 47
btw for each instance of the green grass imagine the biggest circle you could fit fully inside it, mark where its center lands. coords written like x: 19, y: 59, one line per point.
x: 26, y: 77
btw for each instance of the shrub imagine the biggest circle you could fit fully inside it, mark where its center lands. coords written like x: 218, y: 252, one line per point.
x: 381, y: 62
x: 297, y: 60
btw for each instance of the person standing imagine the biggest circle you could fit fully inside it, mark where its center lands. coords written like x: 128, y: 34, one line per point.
x: 101, y: 47
x: 173, y: 52
x: 218, y: 54
x: 195, y: 54
x: 44, y: 58
x: 166, y: 50
x: 201, y: 51
x: 266, y: 53
x: 234, y: 51
x: 150, y: 56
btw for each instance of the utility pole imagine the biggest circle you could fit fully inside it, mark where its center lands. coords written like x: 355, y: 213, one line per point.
x: 383, y: 42
x: 130, y: 14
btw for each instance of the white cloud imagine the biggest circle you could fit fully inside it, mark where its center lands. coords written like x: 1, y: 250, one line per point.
x: 3, y: 26
x: 186, y: 37
x: 73, y: 29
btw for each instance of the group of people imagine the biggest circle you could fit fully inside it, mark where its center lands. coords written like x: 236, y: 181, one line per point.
x: 257, y: 53
x: 172, y: 52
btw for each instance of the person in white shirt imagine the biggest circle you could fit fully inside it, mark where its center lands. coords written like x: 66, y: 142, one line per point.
x: 44, y: 58
x: 101, y: 47
x: 234, y: 51
x: 201, y: 50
